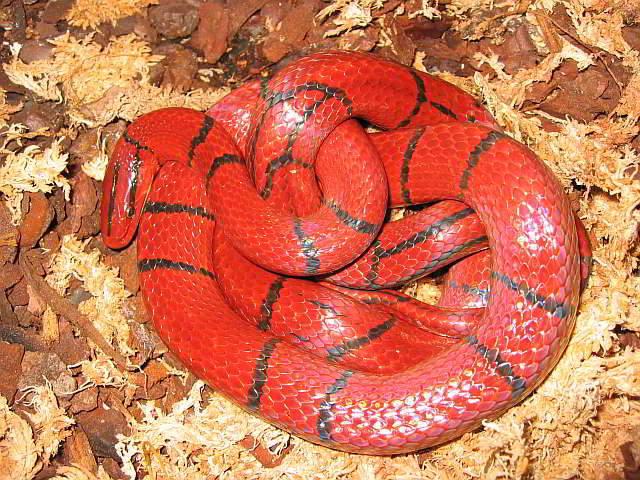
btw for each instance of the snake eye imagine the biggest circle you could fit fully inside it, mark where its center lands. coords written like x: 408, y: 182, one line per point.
x: 471, y: 118
x: 131, y: 211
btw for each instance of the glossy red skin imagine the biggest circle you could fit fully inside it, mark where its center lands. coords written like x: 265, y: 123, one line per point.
x: 410, y: 388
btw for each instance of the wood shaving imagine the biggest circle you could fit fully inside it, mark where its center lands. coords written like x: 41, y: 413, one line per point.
x: 30, y: 169
x: 34, y: 77
x: 91, y: 13
x: 351, y: 14
x: 427, y: 10
x: 7, y: 110
x: 18, y: 452
x: 51, y: 422
x: 189, y: 433
x: 96, y: 166
x: 602, y: 30
x: 74, y: 472
x: 105, y: 307
x: 22, y: 453
x: 460, y: 8
x: 511, y: 89
x: 101, y: 84
x: 102, y: 371
x: 572, y: 426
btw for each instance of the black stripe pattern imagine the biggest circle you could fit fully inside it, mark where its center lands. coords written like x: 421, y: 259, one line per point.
x: 408, y: 155
x: 277, y: 163
x: 361, y: 226
x: 421, y: 97
x: 200, y: 138
x: 112, y: 197
x: 557, y: 309
x: 444, y: 110
x: 149, y: 264
x: 426, y: 233
x: 503, y: 368
x: 165, y: 207
x: 384, y: 298
x: 337, y: 352
x: 225, y: 159
x: 273, y: 98
x: 260, y: 374
x: 378, y: 253
x: 483, y: 146
x: 325, y: 415
x: 327, y: 307
x: 433, y: 265
x: 266, y: 308
x: 481, y: 293
x: 307, y: 247
x: 441, y: 261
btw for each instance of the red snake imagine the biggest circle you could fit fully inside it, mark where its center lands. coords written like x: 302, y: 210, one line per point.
x: 366, y: 371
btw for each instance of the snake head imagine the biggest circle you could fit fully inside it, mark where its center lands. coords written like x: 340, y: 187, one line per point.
x: 127, y: 181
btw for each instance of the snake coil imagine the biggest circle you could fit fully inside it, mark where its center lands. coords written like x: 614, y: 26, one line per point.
x: 278, y: 182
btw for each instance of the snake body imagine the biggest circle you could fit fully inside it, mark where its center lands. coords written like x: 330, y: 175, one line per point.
x: 224, y: 244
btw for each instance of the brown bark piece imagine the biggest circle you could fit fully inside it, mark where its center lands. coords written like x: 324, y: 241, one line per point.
x: 263, y: 454
x: 631, y: 35
x: 36, y: 305
x: 402, y: 48
x: 9, y: 236
x: 518, y: 51
x: 219, y: 22
x: 293, y: 29
x: 56, y: 10
x: 41, y: 115
x: 71, y: 348
x: 239, y: 12
x: 213, y: 31
x: 84, y: 204
x: 176, y: 391
x: 581, y: 95
x: 178, y: 69
x: 77, y: 451
x: 362, y: 40
x: 34, y: 50
x: 137, y: 24
x: 85, y: 400
x: 442, y: 54
x: 7, y: 316
x: 145, y: 342
x: 10, y: 274
x: 10, y: 360
x: 46, y: 30
x: 275, y: 11
x: 36, y: 221
x: 631, y: 339
x: 18, y: 295
x: 126, y: 261
x: 101, y: 427
x: 113, y: 469
x: 150, y: 386
x: 41, y: 367
x: 175, y: 19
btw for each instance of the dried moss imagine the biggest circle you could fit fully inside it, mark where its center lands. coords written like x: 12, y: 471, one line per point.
x: 575, y: 424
